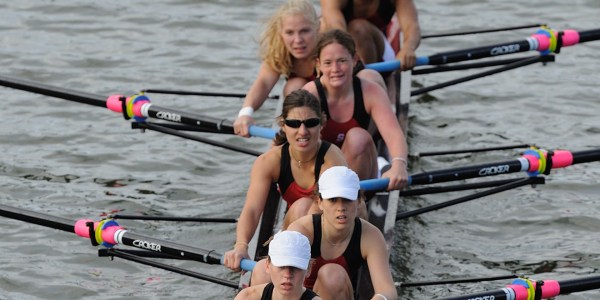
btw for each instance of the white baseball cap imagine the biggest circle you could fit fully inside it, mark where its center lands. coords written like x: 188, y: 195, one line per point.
x: 339, y: 181
x: 290, y: 249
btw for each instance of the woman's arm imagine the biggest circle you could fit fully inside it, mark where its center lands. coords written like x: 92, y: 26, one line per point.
x: 378, y: 107
x: 406, y: 13
x: 261, y: 178
x: 375, y: 252
x: 331, y: 10
x: 256, y: 96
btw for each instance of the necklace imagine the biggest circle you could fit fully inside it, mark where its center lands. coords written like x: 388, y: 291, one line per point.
x: 327, y: 239
x: 300, y: 162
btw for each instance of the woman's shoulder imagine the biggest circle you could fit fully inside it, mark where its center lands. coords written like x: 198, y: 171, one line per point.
x: 271, y: 157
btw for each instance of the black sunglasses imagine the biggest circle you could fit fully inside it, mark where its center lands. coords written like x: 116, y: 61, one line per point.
x: 309, y: 123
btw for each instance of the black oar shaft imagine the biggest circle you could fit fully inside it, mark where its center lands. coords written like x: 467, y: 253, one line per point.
x: 127, y: 256
x: 479, y: 52
x: 37, y: 218
x: 589, y: 35
x: 502, y: 188
x: 481, y: 170
x: 566, y: 287
x: 495, y: 168
x: 53, y: 91
x: 154, y: 111
x: 481, y: 31
x: 586, y: 156
x: 170, y: 248
x: 579, y: 285
x: 126, y: 237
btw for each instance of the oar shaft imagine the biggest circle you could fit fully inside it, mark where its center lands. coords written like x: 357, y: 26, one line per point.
x: 52, y: 91
x: 117, y: 235
x: 37, y: 218
x: 550, y: 289
x: 526, y: 163
x: 545, y: 41
x: 142, y: 109
x: 589, y: 35
x: 580, y: 157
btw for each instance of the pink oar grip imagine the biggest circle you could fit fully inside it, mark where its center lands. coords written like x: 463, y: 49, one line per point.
x: 521, y: 292
x: 108, y: 234
x: 561, y: 159
x: 543, y: 42
x: 137, y: 108
x: 551, y: 288
x: 534, y: 162
x: 81, y: 228
x: 570, y: 37
x: 113, y: 103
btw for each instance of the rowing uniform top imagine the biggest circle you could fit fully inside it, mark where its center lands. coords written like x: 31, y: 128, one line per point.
x: 268, y: 293
x: 335, y: 132
x: 351, y: 259
x: 310, y: 78
x: 380, y: 19
x: 288, y: 187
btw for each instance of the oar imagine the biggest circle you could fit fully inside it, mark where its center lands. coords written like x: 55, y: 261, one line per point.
x: 436, y: 35
x: 137, y: 106
x: 533, y: 161
x: 194, y: 93
x: 109, y: 233
x: 526, y: 289
x: 173, y: 218
x: 542, y: 41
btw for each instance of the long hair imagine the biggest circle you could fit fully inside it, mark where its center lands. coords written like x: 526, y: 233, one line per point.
x: 297, y: 98
x: 272, y: 49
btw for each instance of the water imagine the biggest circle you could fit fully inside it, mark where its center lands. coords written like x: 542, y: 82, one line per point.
x: 74, y: 161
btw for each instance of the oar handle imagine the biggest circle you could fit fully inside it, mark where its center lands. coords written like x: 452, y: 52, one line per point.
x: 379, y: 184
x: 263, y: 132
x: 392, y: 65
x: 245, y: 264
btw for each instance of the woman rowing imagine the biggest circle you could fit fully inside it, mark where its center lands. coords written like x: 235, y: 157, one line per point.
x: 286, y: 47
x: 287, y: 266
x: 294, y: 163
x: 350, y: 103
x: 341, y: 242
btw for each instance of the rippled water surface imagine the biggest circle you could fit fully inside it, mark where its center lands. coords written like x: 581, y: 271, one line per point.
x: 73, y: 160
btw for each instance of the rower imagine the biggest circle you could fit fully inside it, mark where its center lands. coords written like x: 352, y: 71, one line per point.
x: 341, y: 242
x: 287, y: 266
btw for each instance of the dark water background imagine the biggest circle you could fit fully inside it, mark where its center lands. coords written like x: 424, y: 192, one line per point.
x: 74, y: 161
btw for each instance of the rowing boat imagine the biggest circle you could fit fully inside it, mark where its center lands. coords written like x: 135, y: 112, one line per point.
x: 25, y: 117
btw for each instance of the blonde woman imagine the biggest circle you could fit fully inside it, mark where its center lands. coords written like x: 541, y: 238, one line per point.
x: 286, y: 47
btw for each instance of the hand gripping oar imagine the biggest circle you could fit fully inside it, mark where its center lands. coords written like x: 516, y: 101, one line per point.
x: 137, y: 106
x: 108, y: 233
x: 528, y: 289
x: 533, y: 161
x: 545, y: 41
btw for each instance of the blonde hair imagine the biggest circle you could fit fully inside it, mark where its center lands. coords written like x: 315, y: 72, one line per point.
x: 272, y: 49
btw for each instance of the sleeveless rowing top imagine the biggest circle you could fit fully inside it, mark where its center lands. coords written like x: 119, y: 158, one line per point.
x: 308, y: 79
x: 268, y: 293
x: 289, y: 189
x: 351, y: 259
x: 335, y: 132
x: 380, y: 19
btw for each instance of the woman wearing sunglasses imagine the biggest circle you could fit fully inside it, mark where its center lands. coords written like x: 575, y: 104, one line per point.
x: 350, y: 103
x: 294, y: 163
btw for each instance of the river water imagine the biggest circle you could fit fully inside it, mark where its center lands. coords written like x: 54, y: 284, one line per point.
x: 72, y: 160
